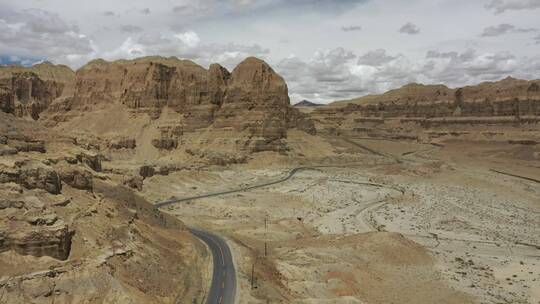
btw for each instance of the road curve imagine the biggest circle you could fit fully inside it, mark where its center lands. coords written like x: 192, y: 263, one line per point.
x: 223, y: 288
x: 281, y: 180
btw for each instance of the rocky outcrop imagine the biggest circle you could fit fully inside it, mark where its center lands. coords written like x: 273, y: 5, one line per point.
x: 165, y: 143
x: 77, y: 178
x: 123, y: 143
x: 33, y: 178
x: 27, y: 145
x: 134, y: 182
x: 33, y: 229
x: 47, y: 240
x: 93, y: 161
x: 488, y: 111
x: 252, y: 101
x: 508, y: 97
x: 147, y: 171
x: 29, y: 91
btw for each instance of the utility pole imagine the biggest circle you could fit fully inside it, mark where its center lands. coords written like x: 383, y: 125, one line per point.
x: 252, y: 275
x: 265, y: 226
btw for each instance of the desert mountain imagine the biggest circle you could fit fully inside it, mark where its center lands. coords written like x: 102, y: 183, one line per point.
x: 417, y: 111
x: 501, y: 98
x: 306, y: 103
x: 169, y: 102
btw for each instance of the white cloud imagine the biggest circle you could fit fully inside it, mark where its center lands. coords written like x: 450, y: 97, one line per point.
x: 189, y: 38
x: 501, y: 6
x: 38, y: 33
x: 186, y: 45
x: 505, y: 28
x: 334, y: 75
x: 375, y: 58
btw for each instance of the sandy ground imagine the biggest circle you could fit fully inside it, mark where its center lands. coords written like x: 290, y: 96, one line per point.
x: 430, y: 225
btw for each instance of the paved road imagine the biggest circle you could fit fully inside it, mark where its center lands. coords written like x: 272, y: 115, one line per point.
x: 223, y: 288
x: 185, y: 199
x: 281, y: 180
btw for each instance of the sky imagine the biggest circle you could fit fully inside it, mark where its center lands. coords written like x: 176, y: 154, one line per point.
x: 326, y: 50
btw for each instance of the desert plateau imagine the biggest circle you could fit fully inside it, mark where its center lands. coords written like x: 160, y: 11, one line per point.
x: 176, y: 170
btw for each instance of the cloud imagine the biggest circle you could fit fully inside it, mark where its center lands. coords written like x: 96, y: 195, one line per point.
x: 227, y: 7
x: 537, y: 39
x: 145, y: 11
x: 327, y: 75
x: 501, y: 6
x: 199, y: 8
x: 334, y: 74
x: 128, y: 28
x: 109, y: 13
x: 351, y: 28
x: 189, y: 38
x: 470, y: 66
x: 409, y: 28
x: 375, y: 58
x: 35, y: 33
x: 185, y: 45
x: 503, y: 29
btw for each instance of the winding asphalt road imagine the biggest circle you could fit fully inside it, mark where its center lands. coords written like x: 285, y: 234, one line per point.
x: 223, y: 288
x: 281, y: 180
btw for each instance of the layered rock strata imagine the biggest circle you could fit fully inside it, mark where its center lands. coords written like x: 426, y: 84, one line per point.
x: 251, y: 101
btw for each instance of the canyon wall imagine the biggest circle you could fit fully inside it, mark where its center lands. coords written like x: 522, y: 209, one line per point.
x: 415, y: 109
x: 30, y: 91
x: 509, y: 97
x: 252, y: 101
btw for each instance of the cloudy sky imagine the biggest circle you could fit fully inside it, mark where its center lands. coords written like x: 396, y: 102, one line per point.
x: 326, y: 50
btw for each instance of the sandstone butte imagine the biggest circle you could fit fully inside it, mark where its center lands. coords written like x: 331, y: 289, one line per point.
x: 252, y: 101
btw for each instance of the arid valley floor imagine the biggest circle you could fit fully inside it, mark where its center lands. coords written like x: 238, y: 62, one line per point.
x: 422, y: 224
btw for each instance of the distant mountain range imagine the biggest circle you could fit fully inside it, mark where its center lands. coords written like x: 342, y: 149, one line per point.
x: 307, y: 103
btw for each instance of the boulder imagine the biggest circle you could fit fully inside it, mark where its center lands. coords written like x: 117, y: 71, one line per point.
x: 147, y: 171
x: 6, y: 150
x: 27, y: 146
x: 37, y: 238
x: 165, y: 143
x: 77, y: 178
x: 91, y: 160
x: 39, y: 178
x: 135, y: 182
x: 123, y: 143
x: 29, y: 228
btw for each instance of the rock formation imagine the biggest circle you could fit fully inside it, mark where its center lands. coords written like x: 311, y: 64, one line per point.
x: 69, y: 237
x: 404, y: 113
x: 509, y: 97
x: 251, y: 101
x: 306, y: 103
x: 29, y: 91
